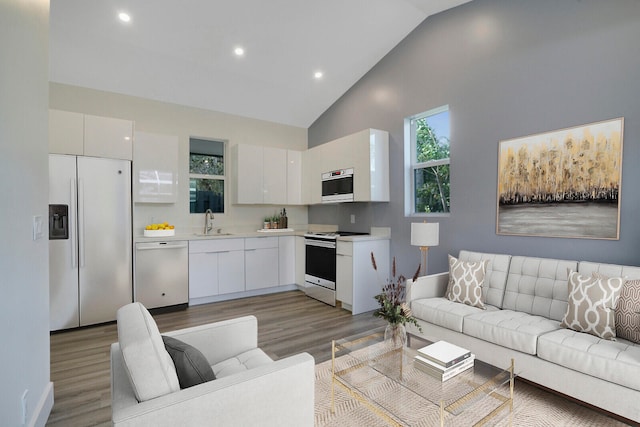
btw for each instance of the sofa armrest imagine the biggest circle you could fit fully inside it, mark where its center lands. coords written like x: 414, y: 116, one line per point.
x: 432, y: 286
x: 221, y: 340
x: 276, y: 394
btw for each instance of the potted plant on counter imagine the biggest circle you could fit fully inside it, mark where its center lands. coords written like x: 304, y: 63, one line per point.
x: 393, y: 307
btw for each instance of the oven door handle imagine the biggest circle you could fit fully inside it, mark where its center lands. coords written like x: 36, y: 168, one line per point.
x: 320, y: 243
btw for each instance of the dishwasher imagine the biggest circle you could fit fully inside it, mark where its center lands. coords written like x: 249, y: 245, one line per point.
x: 161, y: 273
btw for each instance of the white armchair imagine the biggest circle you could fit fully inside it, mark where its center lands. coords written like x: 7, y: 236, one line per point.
x: 250, y: 389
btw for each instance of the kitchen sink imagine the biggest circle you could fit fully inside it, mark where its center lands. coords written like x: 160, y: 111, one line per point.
x: 212, y: 234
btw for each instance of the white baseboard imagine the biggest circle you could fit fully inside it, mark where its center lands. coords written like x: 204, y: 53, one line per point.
x: 43, y: 409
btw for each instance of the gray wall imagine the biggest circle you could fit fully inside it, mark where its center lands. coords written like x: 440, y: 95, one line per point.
x: 506, y: 69
x: 24, y: 189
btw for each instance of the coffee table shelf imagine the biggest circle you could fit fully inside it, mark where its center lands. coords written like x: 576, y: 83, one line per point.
x: 384, y: 379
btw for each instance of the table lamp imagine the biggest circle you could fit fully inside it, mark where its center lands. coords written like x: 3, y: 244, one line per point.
x: 425, y: 234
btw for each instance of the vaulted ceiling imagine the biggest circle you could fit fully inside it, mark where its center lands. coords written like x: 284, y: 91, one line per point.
x: 183, y: 51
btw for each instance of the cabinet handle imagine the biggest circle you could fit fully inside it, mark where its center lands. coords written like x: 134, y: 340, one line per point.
x: 152, y: 248
x: 72, y: 223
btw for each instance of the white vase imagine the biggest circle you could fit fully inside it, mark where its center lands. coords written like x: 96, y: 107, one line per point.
x: 395, y: 335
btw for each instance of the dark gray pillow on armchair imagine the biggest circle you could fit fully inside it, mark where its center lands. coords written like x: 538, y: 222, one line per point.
x: 192, y: 367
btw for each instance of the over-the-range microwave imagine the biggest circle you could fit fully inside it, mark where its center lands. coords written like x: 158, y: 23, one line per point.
x: 337, y: 186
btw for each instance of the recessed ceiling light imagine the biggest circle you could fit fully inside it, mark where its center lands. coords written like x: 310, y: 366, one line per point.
x: 124, y: 17
x: 238, y: 51
x: 317, y: 75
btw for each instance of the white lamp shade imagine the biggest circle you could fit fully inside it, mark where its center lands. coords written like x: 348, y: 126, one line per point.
x: 425, y: 233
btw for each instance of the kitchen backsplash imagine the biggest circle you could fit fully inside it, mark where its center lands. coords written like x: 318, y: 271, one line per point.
x: 239, y: 218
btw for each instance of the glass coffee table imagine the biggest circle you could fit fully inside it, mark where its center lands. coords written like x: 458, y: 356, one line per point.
x: 383, y: 378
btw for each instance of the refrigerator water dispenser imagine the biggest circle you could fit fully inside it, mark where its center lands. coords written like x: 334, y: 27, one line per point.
x: 58, y: 222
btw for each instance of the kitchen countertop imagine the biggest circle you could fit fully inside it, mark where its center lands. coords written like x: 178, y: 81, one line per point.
x: 241, y: 235
x: 197, y: 236
x: 363, y: 238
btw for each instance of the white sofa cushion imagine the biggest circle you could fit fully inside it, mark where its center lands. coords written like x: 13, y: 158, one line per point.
x: 147, y: 362
x: 445, y: 313
x: 511, y: 329
x: 615, y: 361
x: 538, y: 286
x: 587, y: 268
x: 242, y: 362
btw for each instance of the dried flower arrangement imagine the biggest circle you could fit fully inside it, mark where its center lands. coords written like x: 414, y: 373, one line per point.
x: 393, y: 307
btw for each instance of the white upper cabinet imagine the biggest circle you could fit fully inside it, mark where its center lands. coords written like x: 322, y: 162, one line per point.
x: 367, y: 152
x: 274, y: 175
x: 310, y: 178
x: 66, y: 132
x: 247, y: 160
x: 371, y: 166
x: 155, y: 168
x: 294, y: 177
x: 262, y: 175
x: 108, y: 137
x: 84, y: 135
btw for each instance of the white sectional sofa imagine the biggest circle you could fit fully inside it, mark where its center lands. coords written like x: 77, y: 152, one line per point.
x: 525, y: 300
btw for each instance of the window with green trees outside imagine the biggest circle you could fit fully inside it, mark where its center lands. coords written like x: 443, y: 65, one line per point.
x: 430, y: 163
x: 206, y: 175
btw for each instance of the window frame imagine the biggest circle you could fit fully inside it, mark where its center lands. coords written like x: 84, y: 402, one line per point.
x: 222, y: 178
x: 411, y: 164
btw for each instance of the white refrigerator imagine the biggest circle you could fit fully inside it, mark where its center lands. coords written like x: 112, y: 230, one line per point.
x: 90, y: 239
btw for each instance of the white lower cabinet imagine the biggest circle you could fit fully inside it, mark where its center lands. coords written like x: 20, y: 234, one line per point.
x: 287, y: 260
x: 203, y: 274
x: 216, y: 267
x: 231, y: 272
x: 300, y: 261
x: 357, y: 283
x: 344, y: 274
x: 261, y: 262
x: 233, y: 267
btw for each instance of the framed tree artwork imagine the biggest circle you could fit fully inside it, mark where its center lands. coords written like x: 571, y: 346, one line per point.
x: 563, y: 183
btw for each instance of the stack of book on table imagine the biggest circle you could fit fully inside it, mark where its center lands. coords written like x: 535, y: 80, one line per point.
x: 443, y: 360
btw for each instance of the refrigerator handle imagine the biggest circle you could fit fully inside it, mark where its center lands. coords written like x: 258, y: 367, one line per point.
x: 72, y: 224
x: 81, y: 222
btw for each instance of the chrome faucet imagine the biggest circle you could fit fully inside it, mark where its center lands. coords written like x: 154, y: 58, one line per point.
x: 208, y: 221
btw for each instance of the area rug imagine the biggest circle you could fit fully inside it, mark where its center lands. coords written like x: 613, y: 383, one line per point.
x: 532, y: 407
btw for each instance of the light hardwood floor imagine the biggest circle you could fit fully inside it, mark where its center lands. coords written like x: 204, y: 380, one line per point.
x: 288, y: 323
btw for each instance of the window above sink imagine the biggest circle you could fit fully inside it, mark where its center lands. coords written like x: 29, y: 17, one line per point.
x: 206, y: 175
